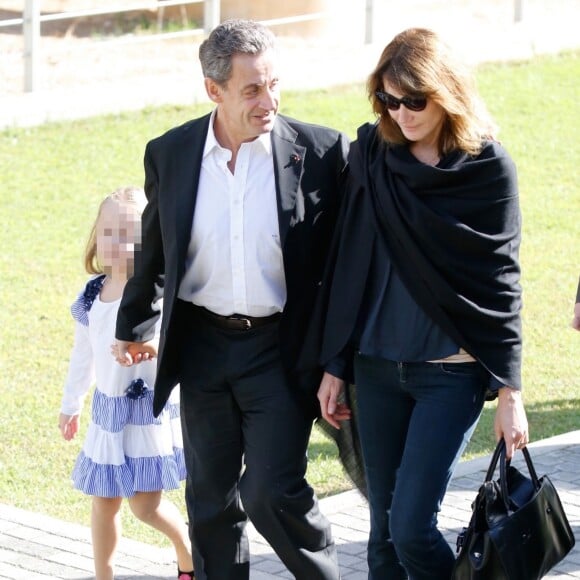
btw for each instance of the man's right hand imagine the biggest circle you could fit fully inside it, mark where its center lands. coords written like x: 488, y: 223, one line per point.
x: 330, y: 390
x: 128, y: 353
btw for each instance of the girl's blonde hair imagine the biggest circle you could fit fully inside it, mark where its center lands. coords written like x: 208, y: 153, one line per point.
x: 417, y: 62
x: 129, y: 195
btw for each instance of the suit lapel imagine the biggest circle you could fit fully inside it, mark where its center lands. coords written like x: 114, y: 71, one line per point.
x: 188, y: 157
x: 288, y: 166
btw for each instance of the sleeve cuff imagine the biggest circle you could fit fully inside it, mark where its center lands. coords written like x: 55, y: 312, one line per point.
x: 336, y: 367
x: 494, y: 385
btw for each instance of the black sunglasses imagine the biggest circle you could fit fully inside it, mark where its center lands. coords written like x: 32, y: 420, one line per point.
x: 393, y: 104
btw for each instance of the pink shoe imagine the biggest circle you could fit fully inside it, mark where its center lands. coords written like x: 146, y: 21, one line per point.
x: 185, y: 575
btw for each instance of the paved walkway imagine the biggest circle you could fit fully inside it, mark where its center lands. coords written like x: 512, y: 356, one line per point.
x: 36, y: 547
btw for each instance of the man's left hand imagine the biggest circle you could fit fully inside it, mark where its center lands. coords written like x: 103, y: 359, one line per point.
x: 128, y: 353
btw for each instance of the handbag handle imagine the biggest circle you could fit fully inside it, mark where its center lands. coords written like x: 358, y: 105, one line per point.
x: 500, y: 455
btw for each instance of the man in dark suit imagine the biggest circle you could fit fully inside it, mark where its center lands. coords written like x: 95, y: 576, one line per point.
x: 242, y: 204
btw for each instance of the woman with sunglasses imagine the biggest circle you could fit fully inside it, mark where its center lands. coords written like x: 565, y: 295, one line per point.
x: 422, y: 297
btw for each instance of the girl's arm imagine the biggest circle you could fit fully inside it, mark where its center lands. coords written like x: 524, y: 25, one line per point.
x: 79, y: 379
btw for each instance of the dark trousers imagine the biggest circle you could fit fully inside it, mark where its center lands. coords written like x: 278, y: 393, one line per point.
x: 415, y: 420
x: 245, y: 442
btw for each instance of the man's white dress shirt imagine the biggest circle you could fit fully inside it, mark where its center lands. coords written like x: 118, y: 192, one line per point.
x: 234, y: 260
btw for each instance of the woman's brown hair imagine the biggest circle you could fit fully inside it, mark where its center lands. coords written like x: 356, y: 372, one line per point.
x: 418, y: 63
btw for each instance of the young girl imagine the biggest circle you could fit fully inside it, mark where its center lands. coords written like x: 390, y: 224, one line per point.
x: 127, y: 452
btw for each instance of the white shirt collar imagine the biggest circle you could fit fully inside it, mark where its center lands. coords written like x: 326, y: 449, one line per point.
x: 211, y: 142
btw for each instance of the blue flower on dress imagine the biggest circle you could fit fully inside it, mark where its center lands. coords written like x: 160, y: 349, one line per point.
x: 137, y: 389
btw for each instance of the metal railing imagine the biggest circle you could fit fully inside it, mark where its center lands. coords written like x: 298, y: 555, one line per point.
x: 32, y: 19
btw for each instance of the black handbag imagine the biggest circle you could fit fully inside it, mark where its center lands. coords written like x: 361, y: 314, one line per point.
x: 518, y: 528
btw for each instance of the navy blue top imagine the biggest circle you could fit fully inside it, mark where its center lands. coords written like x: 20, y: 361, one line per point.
x: 393, y: 326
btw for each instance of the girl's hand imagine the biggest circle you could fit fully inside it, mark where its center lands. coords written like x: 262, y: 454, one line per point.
x: 330, y: 390
x: 511, y: 422
x: 68, y: 425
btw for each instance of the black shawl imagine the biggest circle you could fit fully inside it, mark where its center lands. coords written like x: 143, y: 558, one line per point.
x: 453, y: 234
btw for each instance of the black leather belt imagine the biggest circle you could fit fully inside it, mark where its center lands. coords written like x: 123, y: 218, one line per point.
x: 237, y: 321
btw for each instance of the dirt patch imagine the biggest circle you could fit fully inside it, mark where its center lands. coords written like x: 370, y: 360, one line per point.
x: 108, y: 25
x: 111, y: 51
x: 88, y: 51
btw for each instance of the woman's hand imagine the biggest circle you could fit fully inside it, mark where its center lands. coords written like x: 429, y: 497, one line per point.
x: 511, y: 422
x: 330, y: 391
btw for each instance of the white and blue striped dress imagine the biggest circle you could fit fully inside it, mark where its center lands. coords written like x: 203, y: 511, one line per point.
x: 127, y: 449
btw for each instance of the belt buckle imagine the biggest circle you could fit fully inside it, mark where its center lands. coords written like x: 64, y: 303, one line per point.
x: 246, y: 321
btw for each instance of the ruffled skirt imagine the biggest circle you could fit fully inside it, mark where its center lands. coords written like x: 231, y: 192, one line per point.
x: 128, y: 450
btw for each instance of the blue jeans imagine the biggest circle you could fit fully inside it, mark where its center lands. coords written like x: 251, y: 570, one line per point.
x: 415, y: 420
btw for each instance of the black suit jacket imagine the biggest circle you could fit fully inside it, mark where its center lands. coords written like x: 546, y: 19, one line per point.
x: 309, y: 164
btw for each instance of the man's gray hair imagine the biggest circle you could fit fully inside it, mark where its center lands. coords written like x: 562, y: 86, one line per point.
x: 229, y: 38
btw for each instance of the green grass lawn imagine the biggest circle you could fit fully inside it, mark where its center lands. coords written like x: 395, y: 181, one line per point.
x: 54, y: 176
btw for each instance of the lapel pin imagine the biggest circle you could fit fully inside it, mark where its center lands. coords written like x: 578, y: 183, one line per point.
x: 294, y: 160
